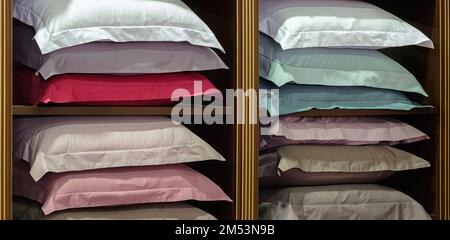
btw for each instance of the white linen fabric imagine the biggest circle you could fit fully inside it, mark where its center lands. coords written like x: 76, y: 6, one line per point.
x: 335, y: 23
x: 65, y: 23
x: 340, y: 202
x: 66, y: 144
x: 113, y: 58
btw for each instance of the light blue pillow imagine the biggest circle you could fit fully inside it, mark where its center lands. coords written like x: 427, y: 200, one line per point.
x: 295, y: 98
x: 334, y: 67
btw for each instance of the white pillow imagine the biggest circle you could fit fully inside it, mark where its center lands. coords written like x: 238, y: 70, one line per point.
x: 335, y: 23
x: 66, y: 144
x: 65, y: 23
x: 113, y: 58
x: 340, y: 202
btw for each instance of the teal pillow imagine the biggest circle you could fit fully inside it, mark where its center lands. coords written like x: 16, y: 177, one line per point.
x: 295, y: 98
x: 334, y: 67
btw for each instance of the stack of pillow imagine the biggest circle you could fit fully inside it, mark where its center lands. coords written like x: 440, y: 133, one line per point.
x: 325, y: 168
x: 75, y: 163
x: 323, y: 55
x: 110, y: 53
x: 122, y: 52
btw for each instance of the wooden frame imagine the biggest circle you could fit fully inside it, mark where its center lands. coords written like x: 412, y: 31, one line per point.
x: 246, y: 135
x: 443, y: 171
x: 5, y: 109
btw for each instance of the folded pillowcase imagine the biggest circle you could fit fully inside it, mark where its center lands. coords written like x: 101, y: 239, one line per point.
x: 341, y: 202
x: 347, y: 159
x: 108, y: 90
x: 329, y: 165
x: 115, y: 187
x: 302, y: 98
x: 335, y: 23
x: 334, y: 67
x: 61, y: 23
x: 65, y: 144
x: 113, y: 58
x: 24, y: 209
x: 339, y: 131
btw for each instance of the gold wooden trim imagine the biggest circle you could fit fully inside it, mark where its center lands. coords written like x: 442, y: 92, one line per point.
x: 5, y: 109
x: 246, y: 135
x: 442, y: 176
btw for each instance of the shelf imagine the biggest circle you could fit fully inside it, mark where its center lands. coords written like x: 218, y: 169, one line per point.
x: 19, y: 110
x: 362, y: 113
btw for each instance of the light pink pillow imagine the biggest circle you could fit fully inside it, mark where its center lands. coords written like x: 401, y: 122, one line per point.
x: 115, y: 187
x: 353, y: 131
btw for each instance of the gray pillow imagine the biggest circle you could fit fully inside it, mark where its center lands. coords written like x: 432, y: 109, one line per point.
x: 340, y: 202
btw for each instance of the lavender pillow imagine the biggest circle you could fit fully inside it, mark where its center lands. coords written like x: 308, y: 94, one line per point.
x: 113, y: 58
x: 340, y: 131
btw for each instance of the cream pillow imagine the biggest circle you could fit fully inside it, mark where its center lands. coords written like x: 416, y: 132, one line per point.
x: 65, y: 23
x: 341, y: 202
x: 65, y: 144
x: 348, y: 159
x: 335, y: 23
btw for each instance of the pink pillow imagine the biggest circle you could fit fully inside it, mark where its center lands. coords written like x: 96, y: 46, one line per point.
x: 106, y: 90
x: 340, y: 131
x: 115, y: 187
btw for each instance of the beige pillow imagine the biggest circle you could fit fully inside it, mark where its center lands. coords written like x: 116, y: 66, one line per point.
x: 24, y: 209
x: 347, y: 159
x: 340, y: 202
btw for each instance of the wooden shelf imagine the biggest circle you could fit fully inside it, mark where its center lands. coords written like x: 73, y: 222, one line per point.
x: 362, y: 113
x: 19, y: 110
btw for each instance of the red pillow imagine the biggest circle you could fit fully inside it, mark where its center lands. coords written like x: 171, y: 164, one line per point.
x: 106, y: 90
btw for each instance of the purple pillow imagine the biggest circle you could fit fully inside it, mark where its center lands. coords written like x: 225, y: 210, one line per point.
x: 353, y: 131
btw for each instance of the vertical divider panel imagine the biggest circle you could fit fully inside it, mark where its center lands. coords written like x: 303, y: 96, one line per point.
x: 5, y: 109
x: 246, y: 133
x: 443, y: 170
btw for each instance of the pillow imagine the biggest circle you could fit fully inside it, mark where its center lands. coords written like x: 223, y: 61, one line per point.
x: 347, y: 159
x: 24, y: 209
x: 113, y: 58
x: 297, y: 178
x: 334, y: 67
x: 339, y: 131
x: 303, y: 98
x: 63, y: 23
x: 342, y: 202
x: 115, y: 187
x: 108, y: 90
x: 329, y: 165
x: 65, y: 144
x: 335, y: 23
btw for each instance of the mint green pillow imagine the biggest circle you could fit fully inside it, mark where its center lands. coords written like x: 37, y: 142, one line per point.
x: 294, y: 98
x: 334, y: 67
